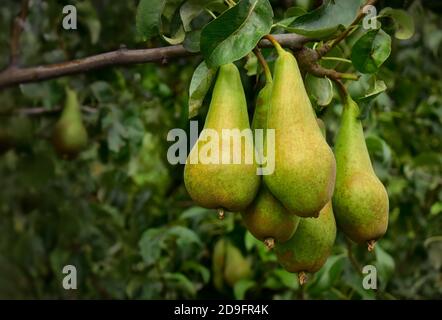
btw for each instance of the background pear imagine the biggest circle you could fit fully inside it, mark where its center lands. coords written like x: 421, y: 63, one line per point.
x: 305, y: 167
x: 220, y: 185
x: 310, y: 246
x: 218, y: 262
x: 266, y: 218
x: 228, y: 264
x: 237, y: 267
x: 360, y: 199
x: 70, y: 136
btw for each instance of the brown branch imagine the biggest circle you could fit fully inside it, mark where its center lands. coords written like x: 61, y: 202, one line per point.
x: 308, y: 60
x: 17, y: 29
x: 328, y: 46
x: 41, y: 111
x: 123, y: 56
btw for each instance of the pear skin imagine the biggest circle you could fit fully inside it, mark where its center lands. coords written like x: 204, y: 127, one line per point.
x: 70, y: 136
x: 221, y: 185
x: 305, y: 167
x: 360, y: 200
x: 266, y: 218
x: 237, y: 267
x: 311, y: 245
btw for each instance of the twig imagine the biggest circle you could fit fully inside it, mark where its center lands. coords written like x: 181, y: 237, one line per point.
x: 123, y: 56
x: 43, y: 111
x: 17, y: 29
x: 264, y: 65
x: 308, y: 59
x: 328, y: 46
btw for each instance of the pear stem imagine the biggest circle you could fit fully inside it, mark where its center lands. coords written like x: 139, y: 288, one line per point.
x: 270, y: 243
x: 371, y: 244
x: 302, y: 278
x: 221, y: 214
x: 275, y: 43
x: 264, y: 65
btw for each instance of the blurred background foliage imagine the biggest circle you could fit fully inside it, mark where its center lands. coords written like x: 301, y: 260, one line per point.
x: 120, y: 212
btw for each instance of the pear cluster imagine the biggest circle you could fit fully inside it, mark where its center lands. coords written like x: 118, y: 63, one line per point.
x: 312, y: 190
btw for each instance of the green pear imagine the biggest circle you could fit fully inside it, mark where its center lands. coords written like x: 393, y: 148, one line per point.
x: 70, y: 136
x: 305, y: 167
x: 310, y: 246
x: 360, y: 199
x: 217, y: 176
x: 237, y: 267
x: 266, y: 218
x: 218, y: 262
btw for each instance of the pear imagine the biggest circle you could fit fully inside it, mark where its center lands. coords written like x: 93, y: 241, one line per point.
x: 217, y: 176
x: 310, y: 246
x: 228, y: 264
x: 218, y: 262
x: 305, y: 167
x: 266, y: 218
x: 70, y: 136
x: 237, y: 267
x: 360, y: 200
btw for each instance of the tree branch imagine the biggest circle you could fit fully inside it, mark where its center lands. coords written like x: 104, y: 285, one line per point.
x: 328, y: 46
x: 38, y: 111
x: 308, y: 60
x: 17, y: 29
x: 123, y: 56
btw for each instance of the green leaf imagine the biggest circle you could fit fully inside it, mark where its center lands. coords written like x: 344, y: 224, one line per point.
x: 404, y: 23
x: 193, y: 8
x: 328, y: 274
x: 184, y: 236
x: 194, y: 266
x: 192, y: 41
x: 199, y: 85
x: 251, y: 64
x: 181, y: 281
x: 241, y: 287
x: 320, y: 90
x: 150, y: 245
x: 236, y: 32
x: 250, y: 241
x: 378, y: 146
x: 290, y: 15
x: 148, y: 19
x: 326, y: 20
x: 385, y: 265
x: 436, y: 208
x: 194, y: 212
x: 371, y: 51
x: 365, y: 90
x: 177, y: 38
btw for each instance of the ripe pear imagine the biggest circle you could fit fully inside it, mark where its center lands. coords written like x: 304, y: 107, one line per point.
x: 360, y: 200
x: 212, y: 176
x: 237, y: 267
x: 310, y: 246
x: 266, y: 218
x: 70, y: 136
x: 305, y: 167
